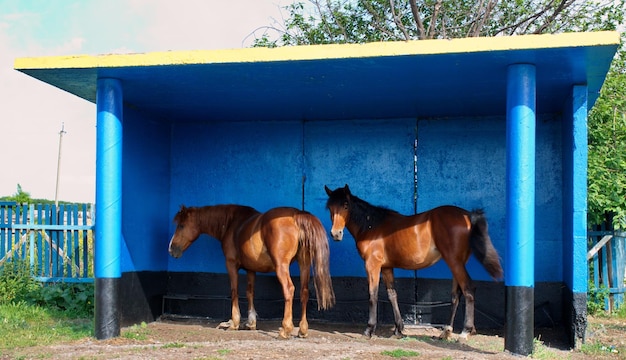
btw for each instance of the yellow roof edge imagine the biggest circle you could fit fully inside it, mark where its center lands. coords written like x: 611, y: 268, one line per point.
x: 314, y: 52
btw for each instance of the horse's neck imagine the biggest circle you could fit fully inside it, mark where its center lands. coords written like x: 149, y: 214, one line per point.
x: 359, y: 216
x: 215, y: 222
x: 221, y: 221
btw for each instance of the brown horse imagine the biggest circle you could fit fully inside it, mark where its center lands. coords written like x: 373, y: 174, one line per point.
x: 386, y: 239
x: 262, y: 242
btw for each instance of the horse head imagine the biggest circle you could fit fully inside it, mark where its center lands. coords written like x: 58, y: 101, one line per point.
x: 339, y: 206
x: 187, y: 231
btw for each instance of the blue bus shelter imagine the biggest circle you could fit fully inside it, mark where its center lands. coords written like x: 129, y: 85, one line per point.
x: 494, y: 123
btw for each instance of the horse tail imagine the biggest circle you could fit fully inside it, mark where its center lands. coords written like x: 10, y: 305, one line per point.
x: 314, y: 240
x: 481, y: 245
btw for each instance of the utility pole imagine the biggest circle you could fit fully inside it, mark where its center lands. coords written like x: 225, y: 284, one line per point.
x: 56, y: 192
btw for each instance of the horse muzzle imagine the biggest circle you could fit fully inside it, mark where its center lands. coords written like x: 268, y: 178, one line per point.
x: 175, y: 252
x: 337, y: 234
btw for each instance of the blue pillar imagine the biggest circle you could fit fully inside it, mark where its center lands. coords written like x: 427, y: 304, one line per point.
x: 108, y: 229
x: 520, y: 209
x: 575, y: 272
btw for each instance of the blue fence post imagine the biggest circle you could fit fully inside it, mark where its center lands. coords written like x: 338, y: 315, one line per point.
x: 618, y: 260
x: 31, y: 246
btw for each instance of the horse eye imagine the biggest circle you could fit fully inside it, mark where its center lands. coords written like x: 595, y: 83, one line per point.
x: 345, y: 205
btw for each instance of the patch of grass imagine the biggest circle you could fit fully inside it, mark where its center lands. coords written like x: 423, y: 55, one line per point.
x: 173, y: 345
x: 137, y: 332
x: 24, y: 325
x: 598, y: 349
x: 620, y: 312
x: 224, y: 352
x: 540, y: 351
x: 400, y: 353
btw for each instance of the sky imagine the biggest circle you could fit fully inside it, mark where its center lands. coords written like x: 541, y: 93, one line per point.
x: 32, y: 113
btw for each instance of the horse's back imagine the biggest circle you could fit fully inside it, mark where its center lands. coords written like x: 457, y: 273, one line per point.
x: 270, y: 235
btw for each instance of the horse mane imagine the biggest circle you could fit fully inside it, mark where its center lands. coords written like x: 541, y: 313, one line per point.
x: 181, y: 215
x: 365, y: 215
x: 216, y: 218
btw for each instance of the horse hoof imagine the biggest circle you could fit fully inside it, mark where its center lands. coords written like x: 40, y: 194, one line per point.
x: 446, y: 334
x: 228, y: 325
x: 303, y: 335
x: 282, y: 334
x: 251, y: 326
x: 397, y: 332
x: 465, y: 334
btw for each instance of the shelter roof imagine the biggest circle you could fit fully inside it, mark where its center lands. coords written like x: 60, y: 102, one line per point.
x: 426, y: 78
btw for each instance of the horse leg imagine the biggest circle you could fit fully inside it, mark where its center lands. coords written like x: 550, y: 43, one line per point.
x: 282, y: 272
x: 393, y: 298
x: 305, y: 272
x: 468, y: 293
x: 464, y: 285
x: 235, y: 317
x: 373, y: 278
x: 251, y: 323
x: 456, y: 297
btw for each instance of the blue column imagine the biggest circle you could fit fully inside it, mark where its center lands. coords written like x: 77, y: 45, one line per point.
x: 108, y: 229
x: 575, y: 272
x: 520, y: 208
x: 579, y: 189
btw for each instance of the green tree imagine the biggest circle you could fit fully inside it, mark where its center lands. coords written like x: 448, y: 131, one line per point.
x: 607, y: 149
x: 360, y: 21
x: 20, y: 197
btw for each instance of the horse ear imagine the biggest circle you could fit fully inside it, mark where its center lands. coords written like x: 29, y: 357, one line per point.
x: 347, y: 189
x: 328, y: 191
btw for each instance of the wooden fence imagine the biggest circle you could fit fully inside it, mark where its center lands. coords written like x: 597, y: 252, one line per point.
x: 608, y: 254
x: 56, y: 241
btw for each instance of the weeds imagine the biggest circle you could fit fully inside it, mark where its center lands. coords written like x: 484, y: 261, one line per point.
x: 596, y: 298
x: 224, y: 352
x: 137, y: 332
x: 35, y: 314
x: 25, y: 325
x: 400, y: 353
x: 16, y: 284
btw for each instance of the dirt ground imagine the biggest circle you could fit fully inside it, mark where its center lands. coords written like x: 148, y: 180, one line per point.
x: 200, y: 339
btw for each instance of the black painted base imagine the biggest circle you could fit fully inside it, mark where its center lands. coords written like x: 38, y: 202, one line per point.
x: 145, y: 296
x: 575, y: 314
x: 107, y: 315
x: 141, y: 296
x: 520, y: 315
x: 422, y: 301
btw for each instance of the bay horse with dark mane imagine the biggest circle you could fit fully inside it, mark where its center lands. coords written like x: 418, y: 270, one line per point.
x: 386, y: 239
x: 262, y: 242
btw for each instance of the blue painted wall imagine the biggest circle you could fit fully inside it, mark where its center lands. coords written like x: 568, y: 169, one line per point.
x: 375, y: 158
x: 145, y: 190
x: 250, y: 163
x: 460, y: 161
x: 463, y: 162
